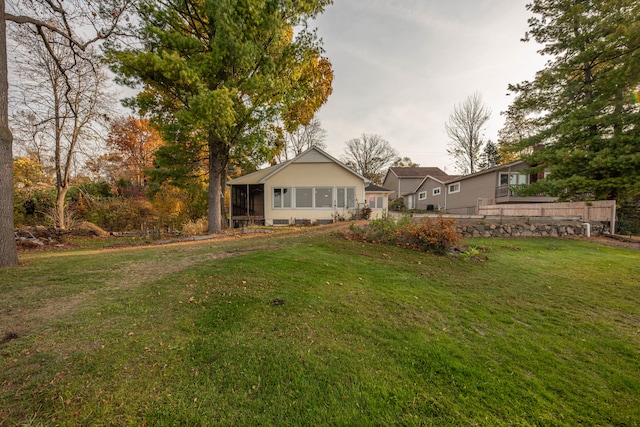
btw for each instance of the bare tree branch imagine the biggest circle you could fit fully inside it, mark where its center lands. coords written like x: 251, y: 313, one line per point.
x: 464, y: 127
x: 370, y: 156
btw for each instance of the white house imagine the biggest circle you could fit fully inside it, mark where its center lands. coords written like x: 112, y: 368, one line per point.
x: 310, y: 188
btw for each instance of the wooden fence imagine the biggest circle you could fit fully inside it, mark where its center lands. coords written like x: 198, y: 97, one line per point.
x: 597, y: 211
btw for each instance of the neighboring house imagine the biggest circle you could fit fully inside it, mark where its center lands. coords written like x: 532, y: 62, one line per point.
x: 377, y: 199
x: 310, y: 188
x: 403, y: 180
x: 463, y: 194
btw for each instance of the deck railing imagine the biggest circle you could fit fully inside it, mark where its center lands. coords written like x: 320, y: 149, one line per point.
x: 512, y: 190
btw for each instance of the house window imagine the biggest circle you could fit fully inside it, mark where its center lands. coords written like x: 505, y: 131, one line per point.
x: 513, y: 179
x: 281, y: 198
x: 436, y: 191
x: 346, y: 197
x: 376, y: 202
x: 454, y: 188
x: 304, y: 197
x: 422, y: 195
x: 323, y: 197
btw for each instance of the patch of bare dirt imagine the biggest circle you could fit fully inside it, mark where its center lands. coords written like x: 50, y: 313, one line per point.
x: 629, y: 242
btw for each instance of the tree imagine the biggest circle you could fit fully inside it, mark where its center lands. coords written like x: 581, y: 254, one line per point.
x: 65, y: 97
x: 464, y: 128
x: 8, y: 249
x: 370, y: 156
x: 59, y: 17
x: 587, y: 122
x: 490, y: 155
x: 405, y: 162
x: 133, y: 143
x: 518, y: 125
x: 217, y: 75
x: 28, y: 171
x: 301, y: 139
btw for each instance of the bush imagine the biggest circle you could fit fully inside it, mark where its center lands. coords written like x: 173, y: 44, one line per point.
x: 436, y: 235
x: 120, y: 214
x: 31, y: 204
x: 361, y: 213
x: 397, y: 204
x: 196, y: 227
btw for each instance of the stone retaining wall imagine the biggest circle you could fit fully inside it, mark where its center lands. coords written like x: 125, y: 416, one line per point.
x: 527, y: 230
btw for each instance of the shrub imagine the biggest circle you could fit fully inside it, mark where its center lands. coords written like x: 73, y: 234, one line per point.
x: 436, y: 235
x: 120, y: 214
x: 361, y: 213
x: 31, y: 205
x: 196, y: 227
x: 397, y: 204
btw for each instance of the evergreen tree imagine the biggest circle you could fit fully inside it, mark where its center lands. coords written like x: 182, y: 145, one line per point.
x: 582, y: 104
x: 491, y: 156
x: 217, y: 74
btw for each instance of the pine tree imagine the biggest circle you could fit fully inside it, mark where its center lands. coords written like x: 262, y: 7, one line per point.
x: 582, y: 104
x: 217, y: 74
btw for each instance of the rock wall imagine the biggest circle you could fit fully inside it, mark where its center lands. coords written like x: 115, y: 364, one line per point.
x: 527, y: 230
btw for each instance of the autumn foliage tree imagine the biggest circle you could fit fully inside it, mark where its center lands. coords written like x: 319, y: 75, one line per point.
x: 133, y: 143
x: 216, y: 76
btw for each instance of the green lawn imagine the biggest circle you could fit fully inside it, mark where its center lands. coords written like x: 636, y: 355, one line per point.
x: 314, y: 330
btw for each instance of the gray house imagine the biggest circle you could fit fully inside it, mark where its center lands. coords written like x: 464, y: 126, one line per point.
x: 463, y: 194
x: 403, y: 180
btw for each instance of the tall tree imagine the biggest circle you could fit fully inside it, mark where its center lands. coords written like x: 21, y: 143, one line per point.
x: 465, y: 127
x: 66, y: 98
x: 582, y: 103
x: 519, y: 124
x: 216, y: 75
x: 370, y: 156
x: 63, y: 18
x: 133, y: 142
x: 8, y: 248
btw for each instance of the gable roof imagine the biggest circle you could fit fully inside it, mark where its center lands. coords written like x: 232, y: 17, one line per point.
x: 417, y: 172
x: 441, y: 180
x: 312, y: 155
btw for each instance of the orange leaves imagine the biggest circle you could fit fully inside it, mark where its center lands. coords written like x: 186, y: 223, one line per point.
x: 430, y: 234
x: 135, y: 142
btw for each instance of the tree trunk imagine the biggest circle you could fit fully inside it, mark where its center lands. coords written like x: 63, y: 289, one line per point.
x: 61, y: 221
x: 8, y: 249
x: 217, y: 165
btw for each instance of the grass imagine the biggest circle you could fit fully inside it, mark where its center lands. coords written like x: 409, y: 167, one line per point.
x: 309, y: 329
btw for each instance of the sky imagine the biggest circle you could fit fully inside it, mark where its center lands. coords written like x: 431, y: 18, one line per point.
x: 400, y: 67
